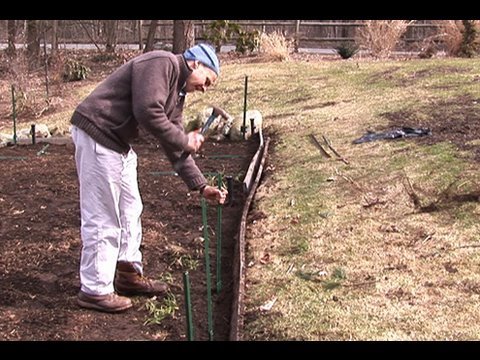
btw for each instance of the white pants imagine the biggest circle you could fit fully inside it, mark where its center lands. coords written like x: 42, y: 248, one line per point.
x: 110, y: 209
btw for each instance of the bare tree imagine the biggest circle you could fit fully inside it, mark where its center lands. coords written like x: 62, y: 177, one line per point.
x: 110, y: 35
x: 152, y: 29
x: 12, y: 37
x: 93, y: 38
x: 140, y: 34
x: 33, y: 43
x: 54, y: 36
x: 183, y: 35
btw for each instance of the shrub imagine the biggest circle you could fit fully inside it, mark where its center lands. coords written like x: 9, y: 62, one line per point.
x: 275, y: 46
x: 381, y: 36
x: 451, y: 35
x: 247, y: 41
x: 75, y: 71
x: 468, y: 47
x: 104, y: 57
x: 220, y: 32
x: 347, y: 50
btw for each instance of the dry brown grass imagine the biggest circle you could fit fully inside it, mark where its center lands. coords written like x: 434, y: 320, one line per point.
x: 451, y: 33
x: 275, y: 47
x: 381, y: 36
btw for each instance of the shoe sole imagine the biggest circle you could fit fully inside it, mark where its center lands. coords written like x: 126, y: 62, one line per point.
x: 89, y: 305
x: 140, y: 292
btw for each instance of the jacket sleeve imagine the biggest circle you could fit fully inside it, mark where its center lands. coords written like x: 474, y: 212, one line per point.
x: 188, y: 171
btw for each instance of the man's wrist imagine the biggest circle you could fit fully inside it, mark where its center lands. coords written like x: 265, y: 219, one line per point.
x: 202, y: 188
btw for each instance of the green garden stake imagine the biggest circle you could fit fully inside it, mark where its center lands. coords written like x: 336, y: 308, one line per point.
x: 13, y: 157
x: 14, y: 116
x: 219, y: 239
x: 163, y: 173
x: 188, y: 306
x: 174, y: 173
x: 207, y: 269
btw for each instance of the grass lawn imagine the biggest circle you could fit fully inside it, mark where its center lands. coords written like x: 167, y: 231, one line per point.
x: 383, y: 245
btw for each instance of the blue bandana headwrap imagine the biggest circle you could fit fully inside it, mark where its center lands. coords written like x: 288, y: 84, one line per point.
x: 205, y: 54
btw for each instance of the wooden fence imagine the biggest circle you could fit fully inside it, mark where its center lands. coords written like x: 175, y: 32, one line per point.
x: 306, y: 33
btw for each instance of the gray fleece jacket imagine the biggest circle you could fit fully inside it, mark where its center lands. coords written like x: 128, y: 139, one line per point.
x: 145, y: 90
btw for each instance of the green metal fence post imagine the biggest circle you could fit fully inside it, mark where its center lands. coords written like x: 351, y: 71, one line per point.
x: 188, y: 306
x: 207, y: 269
x: 219, y: 239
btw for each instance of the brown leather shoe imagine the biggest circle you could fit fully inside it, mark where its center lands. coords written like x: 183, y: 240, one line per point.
x: 108, y: 303
x: 129, y: 282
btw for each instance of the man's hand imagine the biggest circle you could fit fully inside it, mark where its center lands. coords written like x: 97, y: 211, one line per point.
x: 195, y: 141
x: 214, y: 194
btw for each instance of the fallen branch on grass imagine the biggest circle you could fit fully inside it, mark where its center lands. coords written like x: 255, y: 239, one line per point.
x: 350, y: 180
x: 329, y: 144
x: 365, y: 283
x: 319, y: 146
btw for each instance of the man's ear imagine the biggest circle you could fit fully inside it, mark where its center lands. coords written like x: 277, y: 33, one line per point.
x: 196, y: 64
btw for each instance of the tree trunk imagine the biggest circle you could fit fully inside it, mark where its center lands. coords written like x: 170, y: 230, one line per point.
x: 54, y: 36
x: 183, y: 35
x: 33, y: 44
x: 297, y: 35
x: 110, y: 35
x: 152, y: 29
x: 140, y: 34
x: 12, y: 37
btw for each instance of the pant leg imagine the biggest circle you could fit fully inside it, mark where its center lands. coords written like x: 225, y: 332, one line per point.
x: 130, y: 214
x: 100, y: 182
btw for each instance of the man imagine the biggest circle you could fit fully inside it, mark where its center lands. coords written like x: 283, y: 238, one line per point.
x: 150, y: 91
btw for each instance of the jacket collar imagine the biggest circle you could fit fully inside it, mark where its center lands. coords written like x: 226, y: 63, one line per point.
x: 185, y: 71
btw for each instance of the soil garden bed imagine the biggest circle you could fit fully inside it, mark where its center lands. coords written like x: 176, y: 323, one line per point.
x: 40, y: 246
